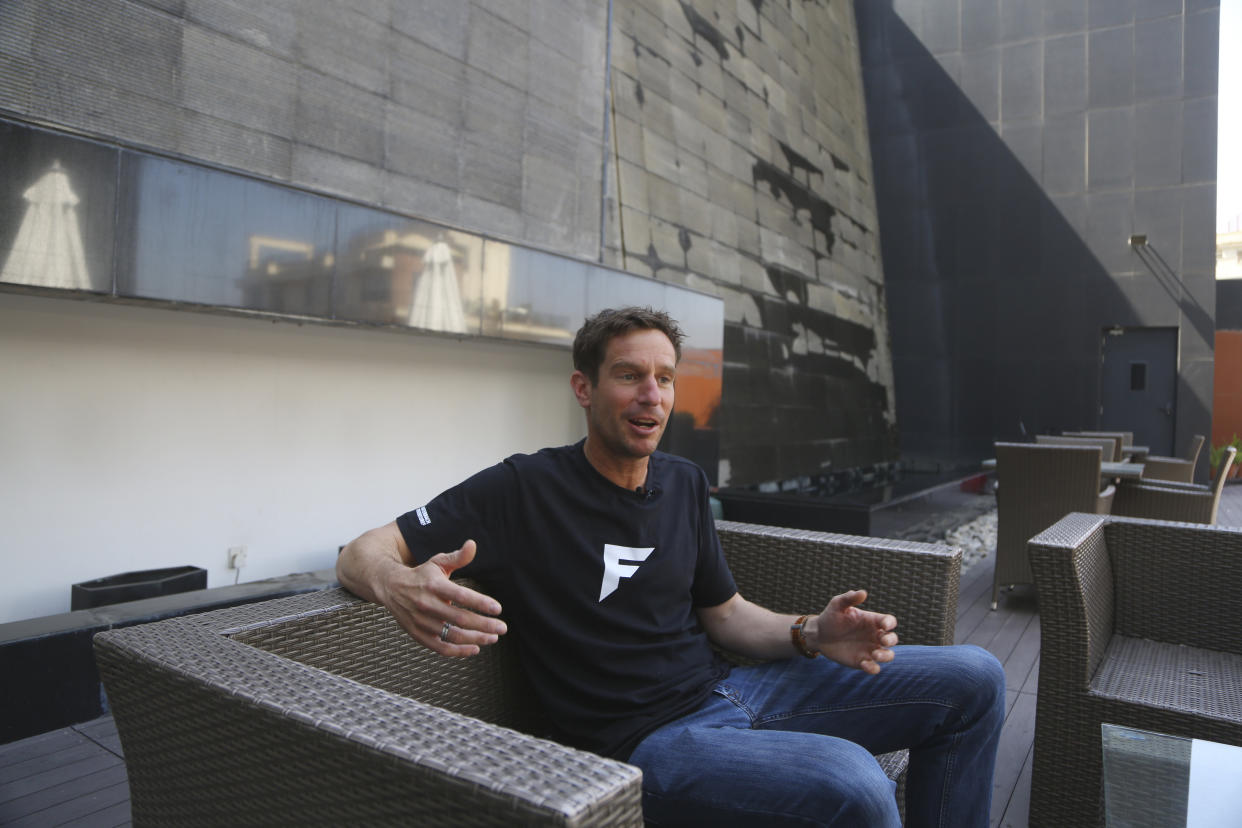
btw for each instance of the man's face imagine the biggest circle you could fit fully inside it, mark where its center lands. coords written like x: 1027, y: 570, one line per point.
x: 629, y: 407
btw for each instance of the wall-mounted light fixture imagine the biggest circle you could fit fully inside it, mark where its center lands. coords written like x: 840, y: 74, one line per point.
x: 1138, y: 240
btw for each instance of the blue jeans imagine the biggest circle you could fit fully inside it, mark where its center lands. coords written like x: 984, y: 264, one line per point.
x: 791, y: 743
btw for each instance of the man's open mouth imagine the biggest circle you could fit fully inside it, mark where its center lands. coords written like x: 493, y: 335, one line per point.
x: 645, y: 423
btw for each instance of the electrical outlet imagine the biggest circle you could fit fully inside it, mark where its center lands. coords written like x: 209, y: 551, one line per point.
x: 237, y: 557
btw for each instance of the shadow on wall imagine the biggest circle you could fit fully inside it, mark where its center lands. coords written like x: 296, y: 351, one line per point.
x: 999, y: 286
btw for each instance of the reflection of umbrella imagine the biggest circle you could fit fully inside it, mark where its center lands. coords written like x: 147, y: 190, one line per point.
x: 48, y: 247
x: 437, y: 298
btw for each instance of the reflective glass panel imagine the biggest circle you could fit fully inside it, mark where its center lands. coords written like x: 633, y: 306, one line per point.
x: 398, y: 271
x: 533, y: 296
x: 57, y: 201
x: 614, y: 289
x: 190, y: 234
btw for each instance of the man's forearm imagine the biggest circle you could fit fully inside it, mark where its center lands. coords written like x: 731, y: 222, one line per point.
x: 751, y: 630
x: 366, y: 564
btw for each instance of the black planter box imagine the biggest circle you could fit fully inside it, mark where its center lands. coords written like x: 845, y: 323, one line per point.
x: 131, y: 586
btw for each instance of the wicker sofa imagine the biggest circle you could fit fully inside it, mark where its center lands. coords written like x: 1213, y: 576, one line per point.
x: 1139, y: 627
x: 318, y: 708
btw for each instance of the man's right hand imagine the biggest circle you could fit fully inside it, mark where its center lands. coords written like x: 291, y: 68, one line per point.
x: 421, y: 598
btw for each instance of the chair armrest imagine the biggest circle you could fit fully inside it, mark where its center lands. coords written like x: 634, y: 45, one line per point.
x: 219, y: 732
x: 796, y: 571
x: 1172, y: 469
x: 1154, y: 501
x: 1074, y: 578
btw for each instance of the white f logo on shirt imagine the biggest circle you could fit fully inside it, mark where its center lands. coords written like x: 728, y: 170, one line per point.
x: 614, y: 570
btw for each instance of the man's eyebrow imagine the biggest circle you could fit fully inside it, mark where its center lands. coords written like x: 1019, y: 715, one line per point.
x: 626, y: 365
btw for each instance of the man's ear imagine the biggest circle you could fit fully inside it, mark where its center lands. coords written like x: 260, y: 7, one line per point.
x: 581, y: 385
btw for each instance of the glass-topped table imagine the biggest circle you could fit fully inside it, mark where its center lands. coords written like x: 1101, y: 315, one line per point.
x: 1151, y: 779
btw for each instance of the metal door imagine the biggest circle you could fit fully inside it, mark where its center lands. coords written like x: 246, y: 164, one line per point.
x: 1138, y: 385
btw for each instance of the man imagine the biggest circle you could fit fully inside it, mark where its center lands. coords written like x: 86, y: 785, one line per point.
x: 606, y: 561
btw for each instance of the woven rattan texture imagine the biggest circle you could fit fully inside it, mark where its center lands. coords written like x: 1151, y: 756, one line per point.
x: 1036, y: 487
x: 217, y: 733
x: 1178, y: 583
x: 363, y: 642
x: 1197, y: 681
x: 1086, y: 569
x: 796, y: 571
x: 318, y: 709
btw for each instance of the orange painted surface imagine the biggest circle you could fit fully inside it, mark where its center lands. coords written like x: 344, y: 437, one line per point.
x: 1227, y: 387
x: 699, y: 383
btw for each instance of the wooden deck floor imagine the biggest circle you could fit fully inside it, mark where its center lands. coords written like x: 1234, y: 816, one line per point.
x: 76, y: 775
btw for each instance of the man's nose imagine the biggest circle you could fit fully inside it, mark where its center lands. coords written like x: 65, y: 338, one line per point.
x: 649, y: 391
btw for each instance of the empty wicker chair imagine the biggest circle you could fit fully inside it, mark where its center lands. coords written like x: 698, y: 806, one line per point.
x: 1186, y: 502
x: 1039, y: 485
x: 1123, y: 438
x: 1109, y: 446
x: 1176, y: 469
x: 1138, y: 627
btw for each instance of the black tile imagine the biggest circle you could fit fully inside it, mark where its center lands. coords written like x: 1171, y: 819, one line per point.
x: 1065, y: 144
x: 1199, y: 141
x: 1158, y: 58
x: 980, y: 24
x: 1065, y: 74
x: 1202, y: 53
x: 1064, y: 16
x: 1110, y: 153
x: 1158, y: 129
x: 1104, y: 13
x: 1110, y: 67
x: 1022, y: 75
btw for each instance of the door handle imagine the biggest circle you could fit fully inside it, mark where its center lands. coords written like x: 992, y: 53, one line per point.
x: 1167, y: 408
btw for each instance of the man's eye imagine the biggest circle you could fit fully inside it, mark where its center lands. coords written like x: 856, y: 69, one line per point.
x: 666, y: 380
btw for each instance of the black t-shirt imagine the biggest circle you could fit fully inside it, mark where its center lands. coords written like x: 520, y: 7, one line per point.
x: 598, y: 583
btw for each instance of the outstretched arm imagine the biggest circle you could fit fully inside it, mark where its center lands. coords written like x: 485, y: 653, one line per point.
x: 376, y: 566
x: 842, y: 632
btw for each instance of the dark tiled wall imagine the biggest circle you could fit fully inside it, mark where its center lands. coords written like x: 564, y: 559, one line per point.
x: 1018, y: 144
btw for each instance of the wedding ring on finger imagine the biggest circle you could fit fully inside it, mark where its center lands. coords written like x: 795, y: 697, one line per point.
x: 444, y: 631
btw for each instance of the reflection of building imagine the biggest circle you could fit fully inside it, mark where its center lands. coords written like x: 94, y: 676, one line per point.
x: 48, y: 247
x: 1229, y: 255
x: 381, y: 274
x: 286, y: 274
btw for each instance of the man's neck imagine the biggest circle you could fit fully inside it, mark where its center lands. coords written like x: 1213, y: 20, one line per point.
x: 628, y: 473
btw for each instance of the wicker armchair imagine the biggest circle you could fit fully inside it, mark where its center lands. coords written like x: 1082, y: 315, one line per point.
x: 1124, y: 440
x: 1139, y: 627
x: 1164, y: 500
x: 1110, y: 447
x: 319, y: 708
x: 1037, y: 486
x: 1175, y: 469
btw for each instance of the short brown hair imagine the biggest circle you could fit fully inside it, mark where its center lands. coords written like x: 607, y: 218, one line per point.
x: 591, y: 342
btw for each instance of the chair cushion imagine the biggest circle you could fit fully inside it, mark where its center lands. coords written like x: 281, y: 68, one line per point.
x: 1187, y: 679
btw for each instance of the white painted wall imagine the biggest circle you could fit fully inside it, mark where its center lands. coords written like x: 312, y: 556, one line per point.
x: 136, y: 438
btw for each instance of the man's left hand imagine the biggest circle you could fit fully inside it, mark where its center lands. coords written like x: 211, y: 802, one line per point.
x: 851, y: 636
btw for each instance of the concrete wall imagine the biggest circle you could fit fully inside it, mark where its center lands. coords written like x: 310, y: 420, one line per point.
x: 742, y: 167
x: 483, y: 115
x: 139, y: 438
x: 1018, y: 145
